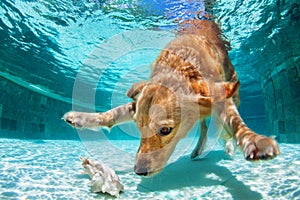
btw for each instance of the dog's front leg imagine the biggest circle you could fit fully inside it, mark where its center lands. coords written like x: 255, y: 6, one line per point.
x: 254, y: 146
x: 106, y: 119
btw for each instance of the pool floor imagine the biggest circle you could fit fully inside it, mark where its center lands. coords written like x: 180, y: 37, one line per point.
x: 52, y: 170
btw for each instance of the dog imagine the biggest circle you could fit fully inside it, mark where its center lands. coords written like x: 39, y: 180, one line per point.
x: 192, y: 79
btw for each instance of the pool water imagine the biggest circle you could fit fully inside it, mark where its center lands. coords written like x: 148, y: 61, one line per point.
x: 52, y: 170
x: 62, y: 55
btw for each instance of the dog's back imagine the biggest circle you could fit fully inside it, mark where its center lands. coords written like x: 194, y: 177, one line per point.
x: 199, y: 54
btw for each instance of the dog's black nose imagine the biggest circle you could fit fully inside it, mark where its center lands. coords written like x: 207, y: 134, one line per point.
x: 141, y: 171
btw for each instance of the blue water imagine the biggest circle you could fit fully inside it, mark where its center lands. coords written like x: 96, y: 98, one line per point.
x: 46, y: 46
x: 62, y: 55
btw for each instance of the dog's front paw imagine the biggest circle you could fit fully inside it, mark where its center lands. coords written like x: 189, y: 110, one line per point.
x: 82, y: 120
x: 259, y: 147
x: 74, y: 119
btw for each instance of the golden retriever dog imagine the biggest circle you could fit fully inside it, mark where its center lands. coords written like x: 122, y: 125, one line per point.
x: 192, y: 79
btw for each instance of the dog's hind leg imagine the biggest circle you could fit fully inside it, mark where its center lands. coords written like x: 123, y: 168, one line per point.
x: 202, y: 140
x: 107, y: 119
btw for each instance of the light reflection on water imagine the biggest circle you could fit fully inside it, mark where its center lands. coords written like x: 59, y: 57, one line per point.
x: 51, y: 170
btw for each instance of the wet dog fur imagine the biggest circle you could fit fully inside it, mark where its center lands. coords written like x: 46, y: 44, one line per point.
x: 192, y: 79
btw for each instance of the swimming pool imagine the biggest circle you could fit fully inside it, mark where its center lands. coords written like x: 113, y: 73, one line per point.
x: 51, y: 169
x: 84, y: 55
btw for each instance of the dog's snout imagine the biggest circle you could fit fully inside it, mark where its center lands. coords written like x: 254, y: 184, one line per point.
x: 141, y: 171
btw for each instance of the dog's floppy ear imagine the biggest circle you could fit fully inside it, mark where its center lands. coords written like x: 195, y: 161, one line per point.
x: 220, y: 92
x: 135, y: 89
x: 225, y: 90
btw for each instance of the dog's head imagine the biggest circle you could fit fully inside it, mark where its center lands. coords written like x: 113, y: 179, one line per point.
x: 158, y: 117
x: 163, y: 118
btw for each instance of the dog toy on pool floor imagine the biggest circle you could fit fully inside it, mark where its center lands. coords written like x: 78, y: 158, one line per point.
x: 103, y: 178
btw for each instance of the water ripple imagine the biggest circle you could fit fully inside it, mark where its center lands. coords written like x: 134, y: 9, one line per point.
x: 51, y: 170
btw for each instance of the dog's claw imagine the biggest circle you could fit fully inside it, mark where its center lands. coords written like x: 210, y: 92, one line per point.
x: 251, y: 156
x: 194, y: 154
x: 71, y: 119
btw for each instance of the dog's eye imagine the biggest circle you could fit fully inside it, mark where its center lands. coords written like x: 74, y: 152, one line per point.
x: 165, y: 130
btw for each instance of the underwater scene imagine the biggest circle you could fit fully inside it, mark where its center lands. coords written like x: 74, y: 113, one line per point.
x: 87, y: 56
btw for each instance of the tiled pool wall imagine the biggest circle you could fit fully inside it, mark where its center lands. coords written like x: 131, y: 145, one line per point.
x: 27, y: 114
x: 280, y: 74
x: 282, y: 100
